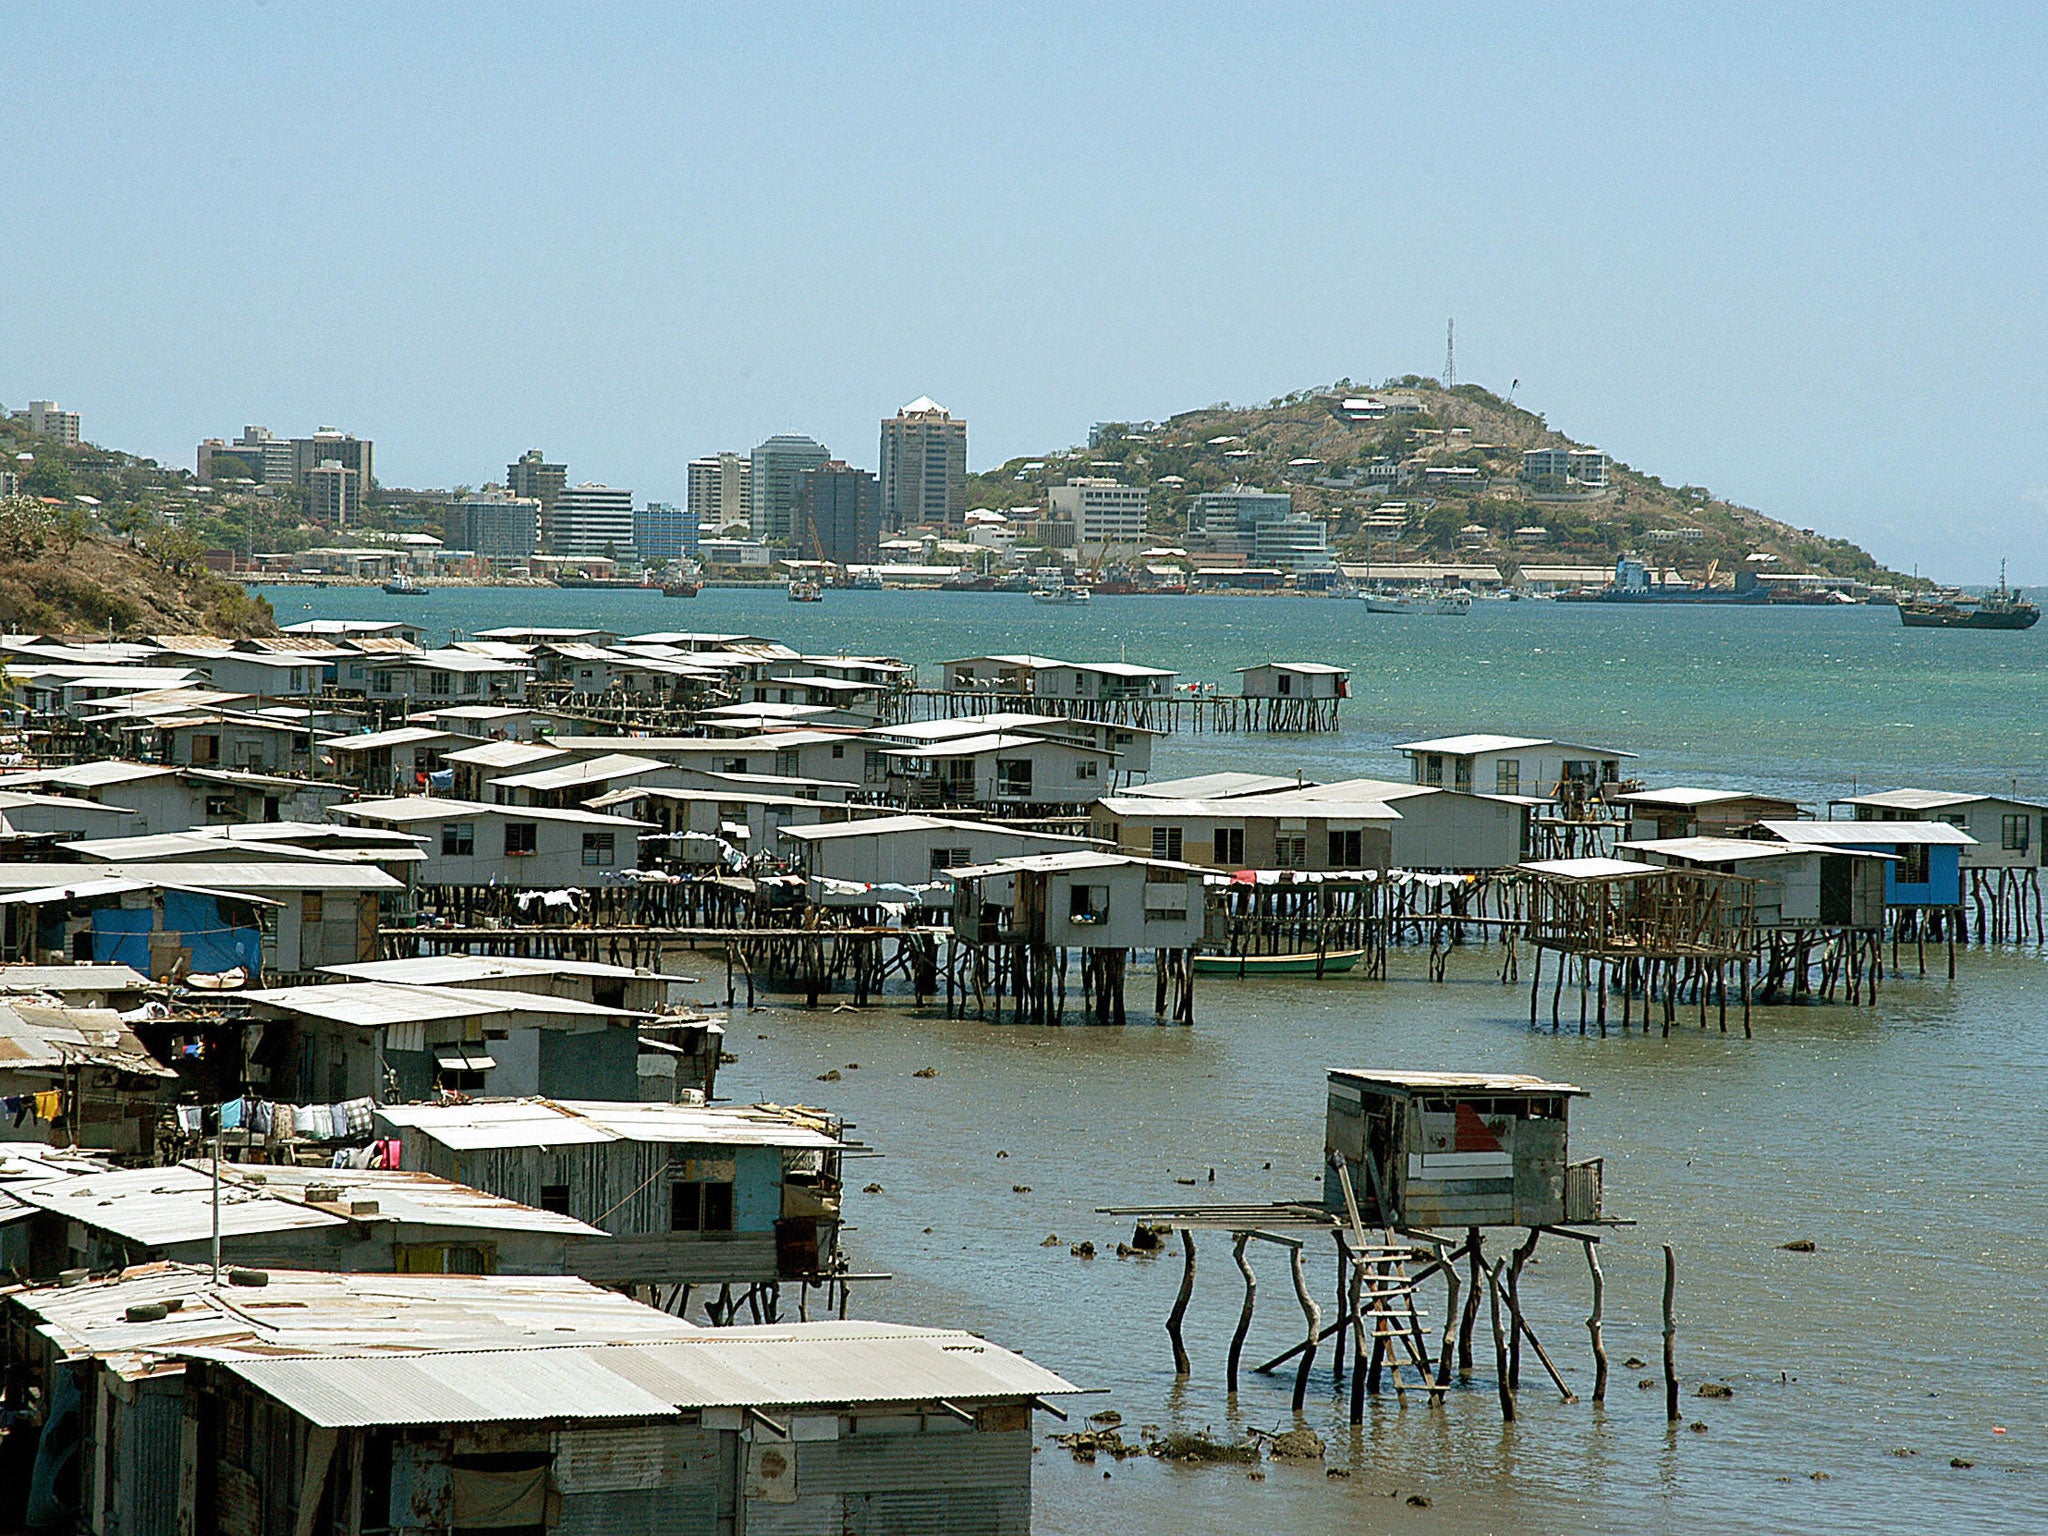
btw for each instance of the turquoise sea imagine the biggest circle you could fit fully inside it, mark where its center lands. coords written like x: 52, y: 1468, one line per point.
x: 1903, y: 1140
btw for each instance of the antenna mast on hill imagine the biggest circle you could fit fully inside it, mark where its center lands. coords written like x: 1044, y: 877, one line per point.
x: 1451, y: 353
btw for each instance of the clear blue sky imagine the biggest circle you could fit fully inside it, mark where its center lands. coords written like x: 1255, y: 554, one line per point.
x: 1794, y: 257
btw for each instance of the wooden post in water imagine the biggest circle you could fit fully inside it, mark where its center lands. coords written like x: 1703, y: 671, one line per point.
x: 1593, y: 1324
x: 1181, y: 1367
x: 1670, y: 1336
x: 1500, y: 1343
x: 1314, y: 1315
x: 1471, y: 1317
x: 1244, y: 1320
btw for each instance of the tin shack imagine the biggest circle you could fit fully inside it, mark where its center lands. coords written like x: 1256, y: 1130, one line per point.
x: 1455, y: 1149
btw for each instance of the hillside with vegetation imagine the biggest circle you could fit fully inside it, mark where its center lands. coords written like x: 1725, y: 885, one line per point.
x: 100, y: 542
x: 1306, y: 444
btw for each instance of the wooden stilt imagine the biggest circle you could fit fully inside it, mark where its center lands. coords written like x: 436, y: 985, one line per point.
x: 1314, y: 1315
x: 1593, y: 1324
x: 1244, y: 1321
x: 1181, y: 1367
x: 1500, y: 1343
x: 1670, y: 1335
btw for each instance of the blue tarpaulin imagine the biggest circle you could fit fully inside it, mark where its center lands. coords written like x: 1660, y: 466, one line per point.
x: 215, y: 946
x: 121, y: 937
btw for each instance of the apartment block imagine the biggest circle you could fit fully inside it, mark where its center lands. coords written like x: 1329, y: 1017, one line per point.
x: 924, y: 467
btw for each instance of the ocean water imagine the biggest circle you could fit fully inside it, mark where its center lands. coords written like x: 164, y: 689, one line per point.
x: 1903, y: 1139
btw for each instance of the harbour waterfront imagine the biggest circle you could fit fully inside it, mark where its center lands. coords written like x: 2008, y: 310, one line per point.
x: 1897, y: 1139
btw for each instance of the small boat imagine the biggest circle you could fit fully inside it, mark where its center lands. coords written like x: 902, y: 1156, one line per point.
x: 1331, y: 963
x: 402, y: 585
x: 1428, y: 600
x: 801, y: 591
x: 685, y: 588
x: 2001, y: 608
x: 866, y: 579
x: 1060, y: 595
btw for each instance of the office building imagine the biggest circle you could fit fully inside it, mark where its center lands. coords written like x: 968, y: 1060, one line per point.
x: 329, y: 445
x: 591, y: 519
x: 772, y: 490
x: 494, y: 524
x: 838, y: 514
x: 1104, y: 513
x: 720, y: 491
x: 258, y: 454
x: 924, y: 467
x: 45, y: 419
x: 1296, y: 542
x: 334, y: 494
x: 530, y: 475
x: 1237, y: 509
x: 663, y: 531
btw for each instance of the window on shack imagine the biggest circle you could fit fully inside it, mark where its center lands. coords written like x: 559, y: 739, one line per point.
x: 555, y: 1197
x: 458, y: 838
x: 1507, y: 776
x: 521, y: 837
x: 1286, y: 683
x: 1912, y: 865
x: 1461, y: 775
x: 1088, y: 903
x: 1290, y: 852
x: 1347, y: 849
x: 1230, y: 846
x: 944, y: 859
x: 1167, y: 842
x: 1013, y: 776
x: 1087, y: 768
x: 700, y: 1206
x: 599, y: 849
x: 2013, y: 831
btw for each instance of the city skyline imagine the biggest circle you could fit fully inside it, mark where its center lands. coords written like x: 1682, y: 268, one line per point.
x: 1764, y: 277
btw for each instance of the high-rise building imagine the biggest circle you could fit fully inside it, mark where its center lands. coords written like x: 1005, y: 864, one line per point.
x: 334, y: 494
x: 772, y: 488
x: 494, y: 524
x: 664, y: 531
x: 530, y: 475
x: 44, y: 419
x: 330, y: 445
x: 924, y: 466
x: 838, y: 514
x: 720, y: 490
x: 1104, y: 513
x: 591, y: 519
x: 1236, y: 509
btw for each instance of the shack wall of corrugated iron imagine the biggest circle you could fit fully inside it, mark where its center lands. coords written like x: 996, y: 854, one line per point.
x: 949, y: 1481
x: 147, y: 1460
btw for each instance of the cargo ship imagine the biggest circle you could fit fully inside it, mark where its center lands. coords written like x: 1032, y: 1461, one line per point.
x: 2001, y: 608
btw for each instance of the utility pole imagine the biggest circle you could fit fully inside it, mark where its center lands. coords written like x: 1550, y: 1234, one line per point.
x: 1451, y: 353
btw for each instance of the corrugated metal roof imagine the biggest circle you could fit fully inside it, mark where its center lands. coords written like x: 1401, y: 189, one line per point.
x: 1458, y: 1082
x: 454, y: 970
x: 1588, y: 869
x: 313, y: 1311
x: 570, y: 1122
x: 436, y: 808
x: 71, y: 978
x: 36, y: 1037
x: 480, y: 1388
x: 226, y: 875
x: 398, y: 736
x: 157, y: 1207
x: 1861, y: 833
x: 1932, y: 800
x: 368, y: 1004
x: 581, y: 771
x: 819, y: 1363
